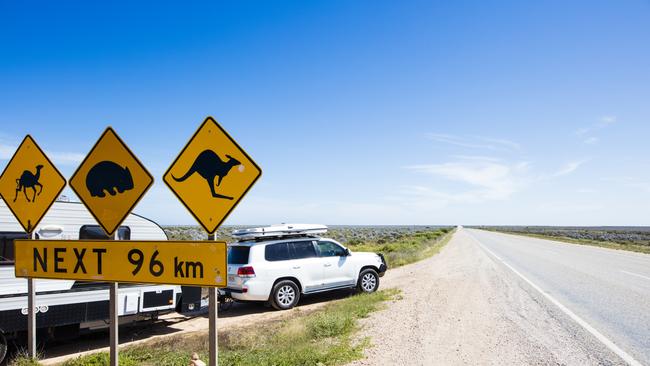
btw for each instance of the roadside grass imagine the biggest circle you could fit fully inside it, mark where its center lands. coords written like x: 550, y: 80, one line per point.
x: 595, y: 243
x: 22, y: 359
x: 319, y: 337
x: 408, y: 249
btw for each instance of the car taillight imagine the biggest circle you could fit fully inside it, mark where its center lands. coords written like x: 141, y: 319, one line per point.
x: 247, y: 271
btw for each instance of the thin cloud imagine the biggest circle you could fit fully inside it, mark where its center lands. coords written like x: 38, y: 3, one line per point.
x: 475, y: 142
x: 483, y: 179
x: 476, y: 157
x: 628, y: 182
x: 65, y: 158
x: 562, y: 207
x: 607, y: 120
x: 586, y: 133
x: 501, y: 142
x: 58, y: 157
x: 569, y: 168
x: 6, y: 151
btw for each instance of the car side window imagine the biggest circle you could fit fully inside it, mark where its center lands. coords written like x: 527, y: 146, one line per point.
x: 302, y: 249
x: 329, y: 249
x: 277, y: 252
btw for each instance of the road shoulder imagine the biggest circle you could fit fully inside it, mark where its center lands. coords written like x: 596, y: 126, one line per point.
x: 461, y: 307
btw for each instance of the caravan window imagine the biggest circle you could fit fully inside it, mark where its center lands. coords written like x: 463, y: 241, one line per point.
x: 7, y: 245
x: 95, y: 232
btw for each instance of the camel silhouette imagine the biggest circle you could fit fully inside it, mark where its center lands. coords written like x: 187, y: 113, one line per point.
x: 29, y: 180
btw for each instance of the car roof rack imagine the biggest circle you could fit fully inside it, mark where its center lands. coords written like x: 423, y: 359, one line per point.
x: 279, y: 231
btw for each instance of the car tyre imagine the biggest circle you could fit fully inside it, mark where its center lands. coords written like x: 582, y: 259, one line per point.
x: 285, y: 295
x: 368, y: 281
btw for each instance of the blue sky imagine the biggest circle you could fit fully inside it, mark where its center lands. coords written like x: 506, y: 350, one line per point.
x: 358, y: 112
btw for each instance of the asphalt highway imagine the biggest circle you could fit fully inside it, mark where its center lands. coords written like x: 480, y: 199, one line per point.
x: 606, y: 292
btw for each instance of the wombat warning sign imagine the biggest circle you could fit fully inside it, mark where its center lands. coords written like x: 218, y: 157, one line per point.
x: 110, y: 181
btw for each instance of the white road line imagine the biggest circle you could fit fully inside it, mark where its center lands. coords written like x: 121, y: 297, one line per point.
x: 636, y: 274
x: 608, y: 343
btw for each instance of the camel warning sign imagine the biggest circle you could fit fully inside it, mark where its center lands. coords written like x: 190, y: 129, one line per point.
x: 30, y: 184
x: 110, y: 181
x: 211, y: 175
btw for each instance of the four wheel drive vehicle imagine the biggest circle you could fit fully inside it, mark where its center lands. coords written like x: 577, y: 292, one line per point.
x: 280, y: 263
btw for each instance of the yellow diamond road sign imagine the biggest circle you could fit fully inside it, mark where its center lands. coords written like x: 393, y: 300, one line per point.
x: 110, y: 181
x: 211, y: 175
x: 30, y: 184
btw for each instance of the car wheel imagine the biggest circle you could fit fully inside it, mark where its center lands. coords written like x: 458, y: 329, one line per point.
x: 368, y: 281
x: 285, y: 295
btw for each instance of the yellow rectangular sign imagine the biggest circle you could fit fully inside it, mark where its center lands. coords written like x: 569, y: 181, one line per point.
x: 196, y: 263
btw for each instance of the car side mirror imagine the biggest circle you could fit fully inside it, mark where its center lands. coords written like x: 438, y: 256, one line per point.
x: 347, y: 252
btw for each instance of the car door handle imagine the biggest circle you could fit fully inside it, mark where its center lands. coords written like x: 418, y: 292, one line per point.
x: 328, y: 265
x: 297, y: 267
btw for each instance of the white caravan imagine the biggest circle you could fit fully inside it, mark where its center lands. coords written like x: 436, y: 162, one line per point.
x: 64, y: 307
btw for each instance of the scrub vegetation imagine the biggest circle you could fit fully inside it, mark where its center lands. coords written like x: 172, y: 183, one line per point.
x: 318, y: 337
x: 400, y: 245
x: 636, y: 239
x: 407, y: 248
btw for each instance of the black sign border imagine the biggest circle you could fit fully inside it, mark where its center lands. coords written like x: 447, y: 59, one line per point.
x: 168, y: 171
x: 55, y: 197
x: 109, y: 128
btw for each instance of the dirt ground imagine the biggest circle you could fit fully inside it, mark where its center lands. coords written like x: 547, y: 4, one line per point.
x: 461, y: 308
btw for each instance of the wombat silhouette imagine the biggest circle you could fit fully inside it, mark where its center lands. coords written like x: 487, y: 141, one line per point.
x: 209, y: 166
x: 29, y: 180
x: 108, y: 176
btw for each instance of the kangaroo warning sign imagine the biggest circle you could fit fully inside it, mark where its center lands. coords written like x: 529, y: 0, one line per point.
x: 199, y: 263
x: 30, y: 184
x: 110, y: 181
x: 211, y: 175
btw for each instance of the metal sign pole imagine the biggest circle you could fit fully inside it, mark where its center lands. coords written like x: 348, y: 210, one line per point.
x: 212, y: 332
x: 31, y: 314
x: 114, y: 318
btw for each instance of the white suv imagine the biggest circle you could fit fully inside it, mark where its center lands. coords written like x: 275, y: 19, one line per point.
x: 279, y: 270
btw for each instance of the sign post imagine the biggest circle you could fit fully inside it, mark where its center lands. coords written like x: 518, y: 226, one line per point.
x: 31, y: 314
x: 29, y: 184
x: 210, y: 176
x: 213, y: 335
x: 114, y: 321
x: 31, y: 318
x: 109, y: 182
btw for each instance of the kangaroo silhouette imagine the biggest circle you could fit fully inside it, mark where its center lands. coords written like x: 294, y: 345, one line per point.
x: 209, y: 166
x: 29, y: 180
